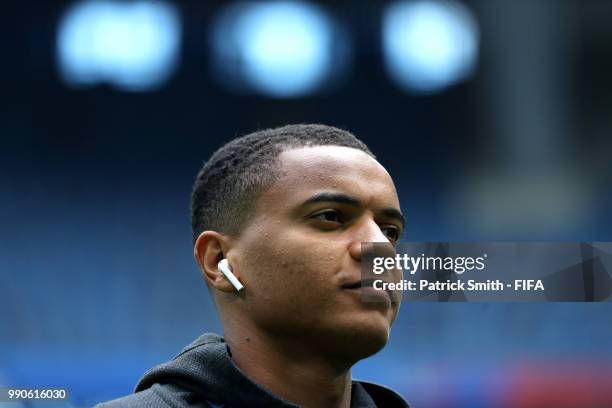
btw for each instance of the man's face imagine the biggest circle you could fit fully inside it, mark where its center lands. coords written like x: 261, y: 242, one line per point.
x: 302, y: 249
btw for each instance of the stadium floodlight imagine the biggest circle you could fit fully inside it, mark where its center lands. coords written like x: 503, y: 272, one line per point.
x: 281, y: 49
x: 131, y: 45
x: 429, y: 45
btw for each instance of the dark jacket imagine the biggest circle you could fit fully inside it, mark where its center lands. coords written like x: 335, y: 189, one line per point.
x: 203, y: 375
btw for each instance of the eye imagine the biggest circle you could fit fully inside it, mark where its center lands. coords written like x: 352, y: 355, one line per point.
x: 391, y: 232
x: 328, y: 215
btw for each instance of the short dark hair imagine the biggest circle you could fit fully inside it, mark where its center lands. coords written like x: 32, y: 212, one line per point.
x: 228, y: 185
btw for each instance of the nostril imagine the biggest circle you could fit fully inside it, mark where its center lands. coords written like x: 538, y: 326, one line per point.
x: 355, y: 251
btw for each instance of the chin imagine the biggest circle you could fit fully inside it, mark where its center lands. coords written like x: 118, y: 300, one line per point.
x: 362, y: 337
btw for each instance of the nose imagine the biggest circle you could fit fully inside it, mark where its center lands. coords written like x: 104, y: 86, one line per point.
x: 369, y: 231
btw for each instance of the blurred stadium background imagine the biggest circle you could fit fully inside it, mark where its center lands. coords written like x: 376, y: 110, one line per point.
x: 493, y: 116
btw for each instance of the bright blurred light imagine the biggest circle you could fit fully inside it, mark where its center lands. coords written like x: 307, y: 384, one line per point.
x: 429, y: 45
x: 131, y: 45
x: 281, y: 49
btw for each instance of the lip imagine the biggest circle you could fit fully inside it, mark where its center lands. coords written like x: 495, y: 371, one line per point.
x: 365, y: 287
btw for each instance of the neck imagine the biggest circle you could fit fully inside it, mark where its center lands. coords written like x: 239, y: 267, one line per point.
x: 291, y: 369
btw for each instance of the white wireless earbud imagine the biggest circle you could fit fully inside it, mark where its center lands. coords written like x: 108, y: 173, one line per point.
x: 224, y: 267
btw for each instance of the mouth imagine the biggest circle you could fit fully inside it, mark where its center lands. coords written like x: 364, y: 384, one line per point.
x: 369, y: 293
x: 362, y: 283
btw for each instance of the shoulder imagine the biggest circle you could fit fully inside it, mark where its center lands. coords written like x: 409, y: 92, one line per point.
x: 146, y: 398
x: 157, y: 396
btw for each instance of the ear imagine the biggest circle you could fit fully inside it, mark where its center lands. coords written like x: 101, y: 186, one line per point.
x: 208, y: 250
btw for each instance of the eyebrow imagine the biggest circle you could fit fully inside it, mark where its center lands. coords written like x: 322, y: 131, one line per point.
x: 333, y: 197
x: 395, y: 214
x: 341, y: 198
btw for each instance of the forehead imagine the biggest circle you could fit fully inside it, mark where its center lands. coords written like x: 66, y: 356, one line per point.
x: 308, y: 170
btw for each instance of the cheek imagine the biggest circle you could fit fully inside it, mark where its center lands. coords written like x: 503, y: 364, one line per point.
x: 291, y: 268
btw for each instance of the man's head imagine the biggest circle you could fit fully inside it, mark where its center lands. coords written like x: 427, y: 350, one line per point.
x: 227, y: 187
x: 289, y: 208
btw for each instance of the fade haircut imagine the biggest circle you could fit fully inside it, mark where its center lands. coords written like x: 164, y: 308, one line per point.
x: 228, y: 185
